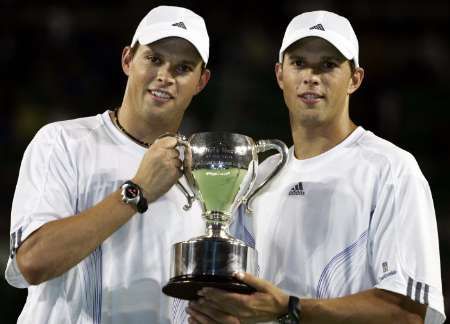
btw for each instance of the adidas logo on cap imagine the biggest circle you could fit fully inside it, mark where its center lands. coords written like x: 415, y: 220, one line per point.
x: 318, y: 26
x: 180, y: 24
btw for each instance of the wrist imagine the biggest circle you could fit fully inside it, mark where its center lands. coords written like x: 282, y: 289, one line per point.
x: 293, y: 314
x: 146, y: 193
x: 132, y: 194
x: 284, y: 309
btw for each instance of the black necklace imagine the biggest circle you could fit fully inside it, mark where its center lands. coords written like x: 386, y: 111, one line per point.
x: 134, y: 139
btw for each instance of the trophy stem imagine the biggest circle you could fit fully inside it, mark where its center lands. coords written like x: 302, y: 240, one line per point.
x: 217, y: 224
x: 217, y: 230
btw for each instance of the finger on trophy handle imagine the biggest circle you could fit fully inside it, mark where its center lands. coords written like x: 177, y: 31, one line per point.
x: 263, y: 146
x: 168, y: 134
x: 182, y: 141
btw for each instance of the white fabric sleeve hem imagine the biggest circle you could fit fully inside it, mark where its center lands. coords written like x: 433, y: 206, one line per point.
x: 13, y: 275
x: 433, y: 315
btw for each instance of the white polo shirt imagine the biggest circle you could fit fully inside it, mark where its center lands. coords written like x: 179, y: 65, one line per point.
x: 68, y: 167
x: 356, y: 217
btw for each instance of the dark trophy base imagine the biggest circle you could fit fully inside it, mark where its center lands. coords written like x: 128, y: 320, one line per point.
x: 209, y: 262
x: 186, y: 287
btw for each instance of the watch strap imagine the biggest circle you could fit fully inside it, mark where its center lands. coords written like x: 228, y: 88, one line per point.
x: 142, y: 204
x: 294, y: 312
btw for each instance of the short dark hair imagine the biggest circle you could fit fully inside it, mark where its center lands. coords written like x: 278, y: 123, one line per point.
x: 352, y: 66
x: 134, y: 49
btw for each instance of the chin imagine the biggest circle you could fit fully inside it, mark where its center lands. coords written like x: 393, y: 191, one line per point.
x: 310, y: 122
x: 311, y: 119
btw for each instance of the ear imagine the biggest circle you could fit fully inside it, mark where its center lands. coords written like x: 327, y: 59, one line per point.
x: 279, y: 74
x: 126, y: 60
x: 355, y: 80
x: 204, y: 78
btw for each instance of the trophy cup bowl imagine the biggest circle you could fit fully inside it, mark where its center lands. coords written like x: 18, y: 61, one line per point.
x: 220, y: 169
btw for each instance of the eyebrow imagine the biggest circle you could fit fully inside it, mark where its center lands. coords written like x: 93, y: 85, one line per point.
x: 183, y: 61
x: 322, y: 58
x: 192, y: 63
x: 147, y: 49
x: 337, y: 58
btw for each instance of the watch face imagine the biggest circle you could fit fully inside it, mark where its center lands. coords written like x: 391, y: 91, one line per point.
x: 131, y: 192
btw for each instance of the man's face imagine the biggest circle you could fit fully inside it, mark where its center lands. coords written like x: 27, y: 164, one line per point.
x: 316, y: 80
x: 163, y: 77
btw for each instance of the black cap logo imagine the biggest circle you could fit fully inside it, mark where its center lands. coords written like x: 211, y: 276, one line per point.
x: 318, y: 26
x: 180, y: 24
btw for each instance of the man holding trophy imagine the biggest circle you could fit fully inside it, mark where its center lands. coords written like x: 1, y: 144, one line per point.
x: 95, y: 212
x: 346, y: 232
x: 100, y: 202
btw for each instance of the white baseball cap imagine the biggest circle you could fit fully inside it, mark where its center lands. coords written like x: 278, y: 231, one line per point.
x: 334, y: 28
x: 169, y: 21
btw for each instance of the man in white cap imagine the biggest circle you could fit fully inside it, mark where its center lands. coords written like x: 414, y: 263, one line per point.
x: 95, y: 210
x: 347, y: 231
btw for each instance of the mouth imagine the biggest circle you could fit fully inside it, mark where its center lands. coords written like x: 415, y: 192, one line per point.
x: 310, y: 98
x: 160, y: 95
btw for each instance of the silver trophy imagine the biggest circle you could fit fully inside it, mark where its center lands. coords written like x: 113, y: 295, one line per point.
x: 220, y: 169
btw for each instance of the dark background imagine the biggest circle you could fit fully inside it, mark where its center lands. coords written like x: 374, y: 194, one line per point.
x: 61, y: 60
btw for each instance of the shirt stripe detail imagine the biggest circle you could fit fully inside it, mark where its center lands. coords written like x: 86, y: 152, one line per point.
x: 336, y: 262
x: 425, y: 295
x: 418, y: 291
x: 15, y: 242
x: 173, y: 310
x: 179, y: 314
x: 409, y: 288
x: 19, y: 237
x: 12, y: 244
x: 92, y: 275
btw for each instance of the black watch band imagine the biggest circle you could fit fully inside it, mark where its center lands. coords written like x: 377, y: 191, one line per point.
x: 294, y: 312
x: 132, y: 194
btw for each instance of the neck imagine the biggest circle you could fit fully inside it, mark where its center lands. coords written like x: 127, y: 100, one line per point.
x: 310, y: 141
x: 144, y: 129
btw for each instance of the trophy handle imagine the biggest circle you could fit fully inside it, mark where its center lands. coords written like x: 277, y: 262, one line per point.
x: 182, y: 141
x: 262, y: 146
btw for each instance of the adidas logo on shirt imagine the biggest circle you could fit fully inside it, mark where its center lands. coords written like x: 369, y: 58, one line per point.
x: 180, y: 24
x: 297, y: 190
x: 318, y: 26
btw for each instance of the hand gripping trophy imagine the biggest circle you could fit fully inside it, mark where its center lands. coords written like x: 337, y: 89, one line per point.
x: 220, y: 169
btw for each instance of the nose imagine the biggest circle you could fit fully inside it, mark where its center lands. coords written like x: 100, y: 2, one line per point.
x: 310, y: 77
x: 164, y: 75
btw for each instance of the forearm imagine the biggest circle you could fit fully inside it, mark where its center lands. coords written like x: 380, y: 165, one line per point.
x: 371, y: 306
x: 59, y: 245
x: 270, y: 302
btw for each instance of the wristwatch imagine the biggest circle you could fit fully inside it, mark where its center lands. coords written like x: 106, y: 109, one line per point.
x: 132, y: 195
x: 294, y: 312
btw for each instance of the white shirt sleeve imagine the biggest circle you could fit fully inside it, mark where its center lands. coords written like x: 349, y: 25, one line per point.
x: 46, y: 190
x: 404, y: 242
